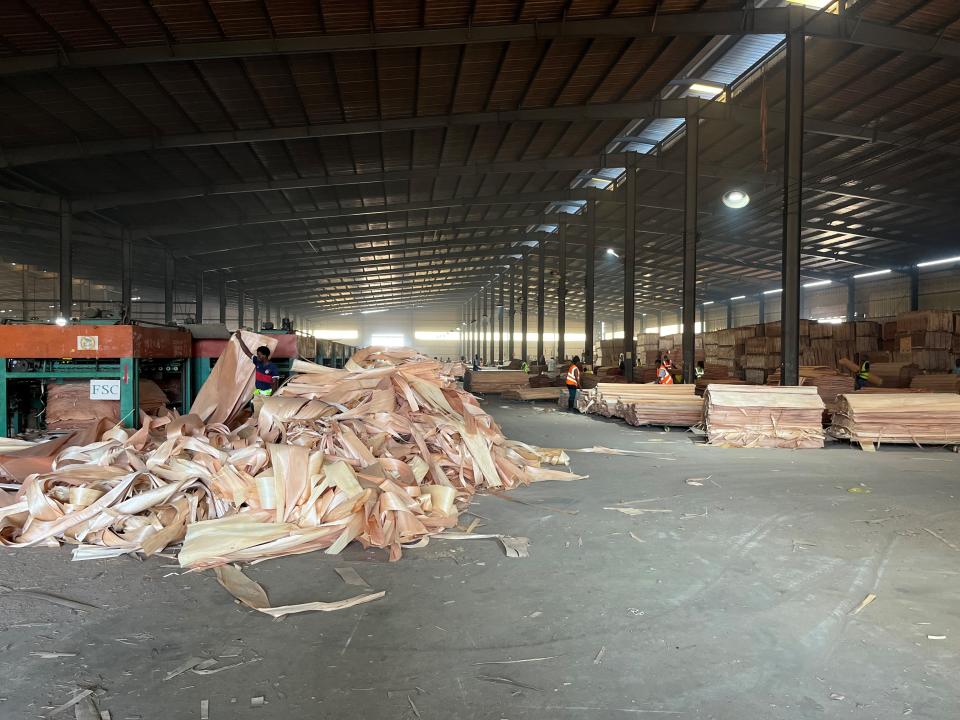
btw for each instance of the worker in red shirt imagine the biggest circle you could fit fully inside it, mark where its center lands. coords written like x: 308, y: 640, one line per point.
x: 267, y: 377
x: 573, y: 381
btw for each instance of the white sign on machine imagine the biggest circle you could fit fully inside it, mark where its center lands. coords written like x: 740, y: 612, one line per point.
x: 104, y: 389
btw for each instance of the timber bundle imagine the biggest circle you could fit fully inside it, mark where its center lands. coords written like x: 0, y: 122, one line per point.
x: 919, y: 419
x: 759, y: 416
x: 382, y: 452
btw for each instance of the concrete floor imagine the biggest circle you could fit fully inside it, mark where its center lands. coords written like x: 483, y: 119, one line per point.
x: 733, y: 604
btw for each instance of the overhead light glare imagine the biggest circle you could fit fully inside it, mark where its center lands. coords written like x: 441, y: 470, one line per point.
x: 818, y: 283
x: 705, y: 89
x: 736, y: 199
x: 773, y: 292
x: 60, y: 321
x: 709, y: 302
x: 371, y: 312
x: 944, y: 261
x: 611, y: 251
x: 738, y: 297
x: 872, y: 274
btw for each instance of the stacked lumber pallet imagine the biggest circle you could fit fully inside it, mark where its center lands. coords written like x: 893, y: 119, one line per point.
x: 828, y: 382
x: 894, y: 374
x: 703, y: 382
x: 495, y: 381
x: 940, y: 382
x: 914, y: 418
x: 667, y: 405
x: 544, y: 393
x: 929, y: 336
x: 757, y: 416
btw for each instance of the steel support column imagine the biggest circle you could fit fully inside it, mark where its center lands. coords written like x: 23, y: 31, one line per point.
x: 198, y: 302
x: 524, y: 296
x: 511, y: 324
x: 590, y: 260
x: 541, y: 296
x: 484, y: 320
x: 66, y: 264
x: 562, y: 292
x: 500, y: 323
x: 792, y: 201
x: 761, y: 308
x: 256, y: 315
x: 222, y: 296
x: 851, y: 300
x: 914, y: 289
x: 241, y: 309
x: 702, y: 312
x: 169, y: 288
x: 267, y: 317
x: 492, y: 323
x: 729, y: 314
x: 629, y: 265
x: 126, y: 274
x: 690, y: 233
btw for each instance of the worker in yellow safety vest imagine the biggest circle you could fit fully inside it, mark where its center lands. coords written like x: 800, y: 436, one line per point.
x: 862, y: 379
x: 663, y: 374
x: 573, y: 382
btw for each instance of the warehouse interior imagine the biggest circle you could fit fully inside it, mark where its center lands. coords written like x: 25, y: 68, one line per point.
x: 738, y: 216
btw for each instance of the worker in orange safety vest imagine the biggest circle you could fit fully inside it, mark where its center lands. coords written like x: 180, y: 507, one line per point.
x: 573, y: 381
x: 663, y: 374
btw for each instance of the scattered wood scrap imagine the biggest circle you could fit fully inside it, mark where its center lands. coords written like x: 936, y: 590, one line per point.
x: 759, y: 416
x: 384, y: 451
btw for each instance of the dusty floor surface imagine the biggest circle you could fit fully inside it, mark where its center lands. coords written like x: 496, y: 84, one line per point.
x: 734, y: 602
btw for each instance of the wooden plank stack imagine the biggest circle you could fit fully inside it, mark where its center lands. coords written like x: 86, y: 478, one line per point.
x: 939, y: 382
x: 667, y: 405
x: 495, y: 381
x: 828, y: 382
x: 914, y: 418
x: 757, y: 416
x: 544, y: 393
x: 929, y: 336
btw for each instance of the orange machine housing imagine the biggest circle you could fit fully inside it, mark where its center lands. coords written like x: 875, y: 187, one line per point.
x: 286, y: 347
x: 93, y: 341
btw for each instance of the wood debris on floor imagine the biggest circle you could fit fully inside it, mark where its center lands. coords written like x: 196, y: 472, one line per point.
x: 385, y: 452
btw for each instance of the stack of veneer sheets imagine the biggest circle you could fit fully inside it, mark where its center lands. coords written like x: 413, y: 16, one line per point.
x: 917, y: 418
x: 669, y: 405
x: 495, y: 381
x: 828, y: 382
x: 544, y: 393
x: 762, y: 416
x: 940, y: 382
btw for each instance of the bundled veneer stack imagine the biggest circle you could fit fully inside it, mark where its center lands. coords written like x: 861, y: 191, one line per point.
x: 761, y: 359
x: 928, y: 335
x: 495, y: 381
x: 668, y: 405
x: 703, y: 382
x: 894, y: 374
x: 828, y: 382
x: 905, y: 417
x: 544, y: 393
x: 760, y: 416
x: 939, y: 382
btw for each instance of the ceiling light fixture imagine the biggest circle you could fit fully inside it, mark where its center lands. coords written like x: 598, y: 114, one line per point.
x: 371, y: 312
x: 705, y: 89
x: 944, y: 261
x: 738, y: 297
x: 611, y: 251
x: 736, y: 199
x: 772, y: 292
x: 872, y: 274
x: 818, y: 283
x: 708, y: 302
x: 60, y: 321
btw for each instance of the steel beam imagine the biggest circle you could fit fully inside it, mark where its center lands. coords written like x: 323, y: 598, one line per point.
x: 594, y: 112
x: 590, y: 260
x: 562, y: 292
x: 914, y: 275
x: 500, y: 309
x: 169, y: 287
x: 222, y: 296
x: 483, y: 325
x: 126, y: 275
x: 792, y: 203
x: 256, y: 314
x: 733, y: 22
x: 491, y: 323
x: 66, y: 264
x: 761, y: 308
x: 198, y: 301
x: 541, y: 296
x: 729, y: 314
x: 513, y: 313
x: 524, y: 296
x: 851, y: 300
x: 629, y: 268
x: 690, y: 237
